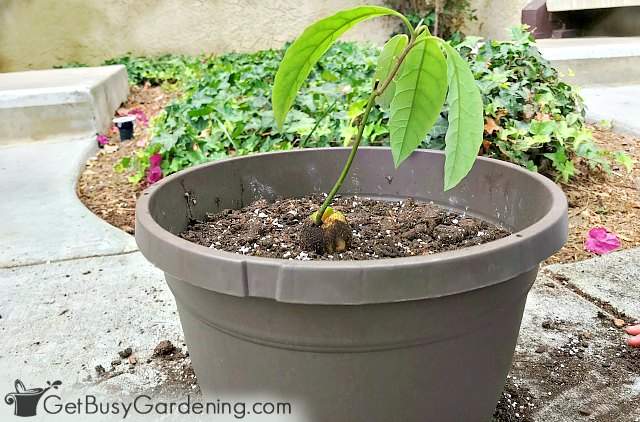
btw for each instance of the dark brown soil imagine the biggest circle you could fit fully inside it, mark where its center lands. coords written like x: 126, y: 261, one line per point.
x: 516, y: 403
x: 165, y: 348
x: 381, y: 229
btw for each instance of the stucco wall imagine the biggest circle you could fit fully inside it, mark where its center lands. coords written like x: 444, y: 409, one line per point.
x: 37, y: 34
x: 495, y: 17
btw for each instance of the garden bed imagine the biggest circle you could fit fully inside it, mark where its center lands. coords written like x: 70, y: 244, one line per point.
x: 532, y: 118
x: 595, y: 198
x: 598, y: 199
x: 107, y: 193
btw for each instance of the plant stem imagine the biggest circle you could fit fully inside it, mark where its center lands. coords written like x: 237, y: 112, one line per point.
x: 325, y: 114
x: 436, y: 22
x: 347, y: 166
x: 396, y: 67
x: 378, y: 89
x: 406, y: 22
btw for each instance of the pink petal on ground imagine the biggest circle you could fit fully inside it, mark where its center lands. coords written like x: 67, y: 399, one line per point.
x: 140, y: 116
x: 154, y: 174
x: 600, y: 241
x: 155, y: 160
x: 102, y: 139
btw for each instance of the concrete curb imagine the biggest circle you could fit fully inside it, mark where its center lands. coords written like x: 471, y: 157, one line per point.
x: 60, y: 103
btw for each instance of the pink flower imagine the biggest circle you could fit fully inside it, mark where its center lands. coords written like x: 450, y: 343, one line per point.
x: 154, y: 174
x: 600, y: 241
x: 140, y: 116
x: 155, y: 160
x: 102, y: 140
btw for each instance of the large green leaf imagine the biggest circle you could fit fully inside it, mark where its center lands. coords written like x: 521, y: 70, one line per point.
x: 421, y: 89
x: 386, y: 61
x: 466, y: 121
x: 305, y: 52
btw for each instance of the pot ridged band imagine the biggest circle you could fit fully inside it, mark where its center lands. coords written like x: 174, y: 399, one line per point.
x: 213, y: 314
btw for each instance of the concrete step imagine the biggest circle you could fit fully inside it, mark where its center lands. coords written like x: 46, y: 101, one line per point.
x: 59, y: 103
x: 595, y: 61
x: 619, y: 105
x: 565, y: 5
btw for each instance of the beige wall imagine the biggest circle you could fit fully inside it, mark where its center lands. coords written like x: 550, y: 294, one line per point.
x: 37, y: 34
x: 495, y: 17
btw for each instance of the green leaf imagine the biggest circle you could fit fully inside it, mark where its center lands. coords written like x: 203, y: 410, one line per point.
x: 466, y: 121
x: 122, y: 165
x: 545, y: 127
x: 558, y: 157
x: 624, y: 159
x: 421, y: 88
x: 387, y: 59
x: 305, y: 52
x: 356, y: 108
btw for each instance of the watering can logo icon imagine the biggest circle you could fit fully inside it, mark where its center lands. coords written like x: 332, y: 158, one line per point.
x: 25, y: 400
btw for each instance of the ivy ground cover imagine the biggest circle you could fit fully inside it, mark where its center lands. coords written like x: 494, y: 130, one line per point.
x: 531, y: 117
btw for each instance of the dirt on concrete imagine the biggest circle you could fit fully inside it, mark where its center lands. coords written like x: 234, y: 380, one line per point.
x: 171, y: 366
x: 573, y: 362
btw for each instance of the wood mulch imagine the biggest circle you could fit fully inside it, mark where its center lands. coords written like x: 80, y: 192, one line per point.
x: 109, y: 194
x: 595, y: 199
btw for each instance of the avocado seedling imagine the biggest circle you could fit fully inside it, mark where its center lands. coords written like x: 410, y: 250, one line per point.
x: 415, y: 75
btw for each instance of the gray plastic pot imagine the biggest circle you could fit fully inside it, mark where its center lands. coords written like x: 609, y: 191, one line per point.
x: 426, y: 338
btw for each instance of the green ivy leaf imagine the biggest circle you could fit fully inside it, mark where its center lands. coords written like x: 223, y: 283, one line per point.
x: 387, y: 59
x: 624, y: 159
x: 122, y: 165
x: 305, y: 52
x: 466, y: 122
x: 421, y: 88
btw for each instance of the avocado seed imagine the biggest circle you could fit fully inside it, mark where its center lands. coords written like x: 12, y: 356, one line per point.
x: 337, y: 233
x: 333, y: 236
x: 312, y: 238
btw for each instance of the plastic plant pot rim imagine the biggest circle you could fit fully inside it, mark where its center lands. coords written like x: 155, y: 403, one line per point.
x: 351, y: 282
